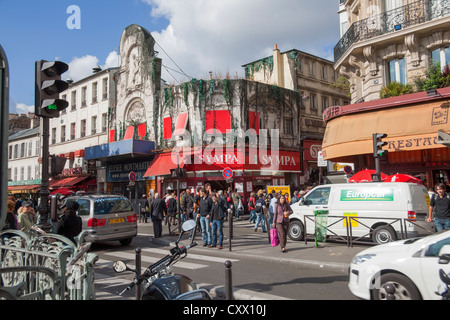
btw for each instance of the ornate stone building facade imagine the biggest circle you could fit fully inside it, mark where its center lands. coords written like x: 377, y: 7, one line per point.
x: 391, y: 40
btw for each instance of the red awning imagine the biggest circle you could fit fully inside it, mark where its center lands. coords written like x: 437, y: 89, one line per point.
x: 161, y: 165
x: 69, y: 155
x: 68, y: 182
x: 79, y: 153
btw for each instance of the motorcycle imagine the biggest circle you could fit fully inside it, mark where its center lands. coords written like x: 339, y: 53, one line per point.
x: 159, y: 281
x: 446, y: 279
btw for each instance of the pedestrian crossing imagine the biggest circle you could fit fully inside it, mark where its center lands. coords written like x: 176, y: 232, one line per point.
x: 108, y: 283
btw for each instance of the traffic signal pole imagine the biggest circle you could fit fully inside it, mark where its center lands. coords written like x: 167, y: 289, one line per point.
x: 45, y: 191
x: 48, y: 86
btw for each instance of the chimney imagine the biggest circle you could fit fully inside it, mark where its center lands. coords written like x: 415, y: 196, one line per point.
x: 278, y: 68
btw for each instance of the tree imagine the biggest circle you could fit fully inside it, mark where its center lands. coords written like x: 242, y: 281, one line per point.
x: 395, y: 89
x: 435, y: 78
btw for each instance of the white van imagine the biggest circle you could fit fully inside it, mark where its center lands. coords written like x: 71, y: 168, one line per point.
x: 382, y: 207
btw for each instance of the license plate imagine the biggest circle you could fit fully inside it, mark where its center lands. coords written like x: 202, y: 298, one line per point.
x: 116, y: 220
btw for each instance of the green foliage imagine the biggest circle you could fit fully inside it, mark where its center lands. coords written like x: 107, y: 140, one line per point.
x: 435, y: 78
x: 343, y: 85
x: 395, y: 89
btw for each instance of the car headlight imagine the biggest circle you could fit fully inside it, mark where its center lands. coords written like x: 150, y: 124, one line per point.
x: 362, y: 258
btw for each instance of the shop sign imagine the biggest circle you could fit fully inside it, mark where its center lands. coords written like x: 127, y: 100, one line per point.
x: 121, y: 171
x: 368, y: 194
x: 283, y: 189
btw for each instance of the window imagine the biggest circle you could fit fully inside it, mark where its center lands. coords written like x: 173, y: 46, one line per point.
x: 313, y: 102
x: 83, y: 96
x: 22, y: 173
x: 83, y: 128
x: 105, y: 88
x: 64, y: 97
x: 397, y: 71
x: 324, y: 103
x: 313, y: 69
x: 441, y: 56
x: 72, y: 131
x: 74, y: 100
x: 104, y: 122
x: 94, y: 92
x: 288, y: 126
x: 38, y: 148
x: 53, y: 135
x: 30, y: 148
x: 29, y: 173
x: 10, y: 153
x: 324, y: 72
x: 16, y: 151
x: 94, y: 125
x: 22, y: 150
x: 318, y: 196
x: 15, y: 174
x: 63, y: 133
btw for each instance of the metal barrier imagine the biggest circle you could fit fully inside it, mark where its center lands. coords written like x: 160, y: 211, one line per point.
x: 349, y: 229
x: 46, y: 266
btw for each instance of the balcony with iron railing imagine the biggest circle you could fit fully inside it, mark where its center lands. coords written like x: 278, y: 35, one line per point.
x: 391, y: 21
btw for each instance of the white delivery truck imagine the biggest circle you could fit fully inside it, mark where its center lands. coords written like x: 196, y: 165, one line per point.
x: 374, y: 209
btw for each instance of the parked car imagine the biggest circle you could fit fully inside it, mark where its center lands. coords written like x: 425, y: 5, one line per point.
x: 377, y: 210
x: 411, y: 266
x: 107, y: 217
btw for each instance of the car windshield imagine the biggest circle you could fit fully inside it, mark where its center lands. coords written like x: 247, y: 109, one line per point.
x: 112, y: 205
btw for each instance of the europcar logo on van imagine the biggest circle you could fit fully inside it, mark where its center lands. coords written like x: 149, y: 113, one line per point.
x: 370, y: 194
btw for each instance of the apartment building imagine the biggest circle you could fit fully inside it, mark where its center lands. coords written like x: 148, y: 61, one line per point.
x: 390, y: 40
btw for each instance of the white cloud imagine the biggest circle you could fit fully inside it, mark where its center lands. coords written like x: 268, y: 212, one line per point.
x: 112, y: 61
x: 23, y: 108
x: 80, y: 68
x: 222, y: 35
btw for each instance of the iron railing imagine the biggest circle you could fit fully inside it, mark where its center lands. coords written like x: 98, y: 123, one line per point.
x: 45, y: 267
x: 391, y: 21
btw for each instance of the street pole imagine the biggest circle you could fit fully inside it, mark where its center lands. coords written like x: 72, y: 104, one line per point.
x: 178, y: 194
x: 45, y: 192
x: 4, y: 118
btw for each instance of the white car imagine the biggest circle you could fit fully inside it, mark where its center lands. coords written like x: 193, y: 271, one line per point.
x: 411, y: 266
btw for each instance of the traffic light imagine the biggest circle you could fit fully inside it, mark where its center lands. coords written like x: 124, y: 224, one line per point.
x: 48, y: 86
x: 378, y: 144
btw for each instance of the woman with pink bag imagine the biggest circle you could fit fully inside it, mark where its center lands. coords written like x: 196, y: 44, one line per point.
x: 281, y: 220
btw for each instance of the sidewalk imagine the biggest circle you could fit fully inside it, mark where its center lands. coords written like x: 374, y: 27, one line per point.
x: 331, y: 256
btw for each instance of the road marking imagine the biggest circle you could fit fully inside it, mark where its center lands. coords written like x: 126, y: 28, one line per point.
x: 192, y: 256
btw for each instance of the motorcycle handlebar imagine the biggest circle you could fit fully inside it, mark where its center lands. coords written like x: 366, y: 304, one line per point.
x: 156, y: 267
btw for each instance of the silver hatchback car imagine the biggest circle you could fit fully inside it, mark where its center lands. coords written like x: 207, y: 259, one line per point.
x: 107, y: 217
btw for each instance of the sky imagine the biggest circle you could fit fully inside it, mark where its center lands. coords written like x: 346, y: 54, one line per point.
x: 198, y: 35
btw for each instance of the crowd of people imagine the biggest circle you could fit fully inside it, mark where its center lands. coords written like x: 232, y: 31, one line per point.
x: 212, y: 207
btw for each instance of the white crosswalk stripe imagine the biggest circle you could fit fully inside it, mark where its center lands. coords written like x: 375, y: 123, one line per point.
x: 107, y: 283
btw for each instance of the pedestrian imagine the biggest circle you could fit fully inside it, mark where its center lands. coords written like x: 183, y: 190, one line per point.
x: 281, y: 220
x: 71, y: 224
x: 295, y: 197
x: 272, y: 204
x: 149, y: 204
x: 157, y: 211
x: 440, y: 206
x: 205, y: 207
x: 236, y: 203
x: 143, y: 207
x: 172, y: 209
x: 251, y: 207
x: 187, y: 204
x: 260, y: 207
x: 10, y: 222
x: 218, y: 213
x: 27, y: 217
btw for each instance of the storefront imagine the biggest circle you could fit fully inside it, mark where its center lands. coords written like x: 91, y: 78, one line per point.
x: 282, y: 168
x: 411, y: 123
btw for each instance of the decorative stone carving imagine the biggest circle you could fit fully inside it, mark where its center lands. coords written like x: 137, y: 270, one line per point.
x: 369, y: 54
x: 413, y: 47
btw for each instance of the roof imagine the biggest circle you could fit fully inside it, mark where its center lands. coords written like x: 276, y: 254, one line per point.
x: 24, y: 134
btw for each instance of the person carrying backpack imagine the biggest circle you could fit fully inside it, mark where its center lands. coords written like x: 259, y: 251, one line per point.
x: 260, y: 206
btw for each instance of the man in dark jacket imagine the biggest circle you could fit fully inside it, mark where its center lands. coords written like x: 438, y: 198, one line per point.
x: 218, y: 213
x: 157, y: 209
x: 71, y: 224
x: 205, y: 206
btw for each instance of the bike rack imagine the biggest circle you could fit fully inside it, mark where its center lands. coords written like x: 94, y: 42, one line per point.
x: 36, y: 266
